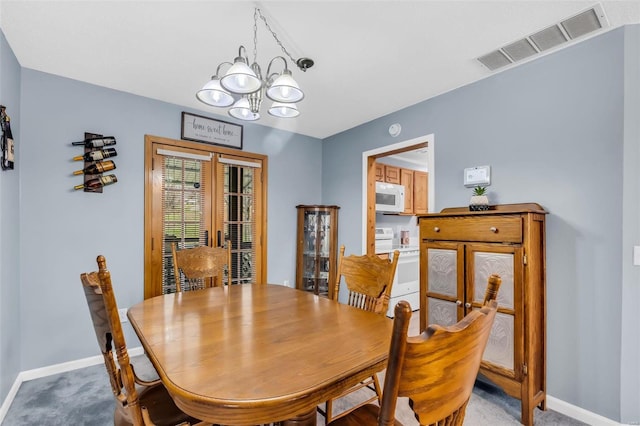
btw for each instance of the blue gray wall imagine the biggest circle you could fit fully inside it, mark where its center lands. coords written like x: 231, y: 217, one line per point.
x: 630, y: 349
x: 9, y: 225
x: 553, y: 131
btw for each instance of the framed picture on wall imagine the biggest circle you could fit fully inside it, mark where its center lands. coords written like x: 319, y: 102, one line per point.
x: 209, y: 130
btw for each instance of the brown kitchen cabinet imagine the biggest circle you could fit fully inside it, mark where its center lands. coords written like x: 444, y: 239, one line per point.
x: 317, y: 248
x: 379, y: 168
x: 387, y: 173
x: 406, y: 179
x: 392, y: 174
x: 459, y: 249
x: 420, y: 192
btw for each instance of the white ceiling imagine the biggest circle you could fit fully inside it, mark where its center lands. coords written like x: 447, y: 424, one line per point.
x: 371, y: 57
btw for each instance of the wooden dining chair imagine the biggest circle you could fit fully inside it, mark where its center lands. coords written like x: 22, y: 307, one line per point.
x: 202, y: 266
x: 150, y: 406
x: 368, y: 280
x: 436, y: 370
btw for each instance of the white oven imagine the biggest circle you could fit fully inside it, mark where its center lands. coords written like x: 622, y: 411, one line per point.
x: 389, y: 198
x: 406, y: 285
x: 384, y: 240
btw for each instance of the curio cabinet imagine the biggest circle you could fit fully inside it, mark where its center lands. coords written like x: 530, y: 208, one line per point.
x: 317, y: 248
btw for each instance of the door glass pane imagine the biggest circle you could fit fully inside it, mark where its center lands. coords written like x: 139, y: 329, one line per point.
x: 238, y: 220
x: 183, y: 218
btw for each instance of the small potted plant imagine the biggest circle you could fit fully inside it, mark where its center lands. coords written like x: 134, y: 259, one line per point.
x: 479, y: 200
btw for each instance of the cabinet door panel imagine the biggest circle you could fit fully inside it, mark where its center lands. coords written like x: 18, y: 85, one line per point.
x: 379, y: 168
x: 485, y: 264
x: 420, y: 192
x: 392, y: 174
x: 500, y: 347
x: 442, y: 312
x: 443, y: 271
x: 406, y: 179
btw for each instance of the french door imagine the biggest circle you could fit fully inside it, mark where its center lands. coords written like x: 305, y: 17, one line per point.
x: 198, y: 194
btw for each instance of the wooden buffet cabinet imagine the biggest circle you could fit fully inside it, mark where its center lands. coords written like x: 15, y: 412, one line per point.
x: 459, y: 249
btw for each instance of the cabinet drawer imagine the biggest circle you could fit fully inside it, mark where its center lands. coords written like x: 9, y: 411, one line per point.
x: 506, y: 229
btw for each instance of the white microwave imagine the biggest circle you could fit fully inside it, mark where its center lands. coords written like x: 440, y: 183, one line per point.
x: 389, y: 198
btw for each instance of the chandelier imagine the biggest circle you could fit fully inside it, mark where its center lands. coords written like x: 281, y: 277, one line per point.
x: 242, y: 87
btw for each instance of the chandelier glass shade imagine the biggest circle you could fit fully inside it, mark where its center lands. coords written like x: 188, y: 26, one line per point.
x: 240, y: 78
x: 242, y: 111
x: 242, y: 87
x: 284, y: 110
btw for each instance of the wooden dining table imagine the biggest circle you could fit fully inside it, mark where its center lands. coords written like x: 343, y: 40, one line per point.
x: 258, y: 353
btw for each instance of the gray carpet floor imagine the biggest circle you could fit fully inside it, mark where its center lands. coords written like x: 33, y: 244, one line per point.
x: 83, y: 397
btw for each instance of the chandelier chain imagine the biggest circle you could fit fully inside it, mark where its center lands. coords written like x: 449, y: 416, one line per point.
x: 273, y: 33
x: 255, y: 36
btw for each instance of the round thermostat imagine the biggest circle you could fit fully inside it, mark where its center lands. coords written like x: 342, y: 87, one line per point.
x: 394, y: 129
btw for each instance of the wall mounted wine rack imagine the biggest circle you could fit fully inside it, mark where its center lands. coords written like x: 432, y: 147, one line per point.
x: 90, y: 178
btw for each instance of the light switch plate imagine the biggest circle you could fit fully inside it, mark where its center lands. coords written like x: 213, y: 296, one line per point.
x: 636, y: 255
x: 475, y: 176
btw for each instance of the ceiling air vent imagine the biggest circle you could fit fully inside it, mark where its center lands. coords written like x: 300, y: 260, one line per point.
x: 494, y: 60
x: 520, y: 50
x: 553, y: 36
x: 548, y: 38
x: 582, y: 24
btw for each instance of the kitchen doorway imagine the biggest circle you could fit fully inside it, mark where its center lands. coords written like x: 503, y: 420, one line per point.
x: 369, y: 159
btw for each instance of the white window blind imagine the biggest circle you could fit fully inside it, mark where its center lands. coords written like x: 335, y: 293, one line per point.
x: 183, y: 189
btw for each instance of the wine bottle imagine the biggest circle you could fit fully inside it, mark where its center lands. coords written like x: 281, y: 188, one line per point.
x: 7, y: 141
x: 98, y: 182
x: 97, y: 168
x: 97, y: 142
x: 97, y: 155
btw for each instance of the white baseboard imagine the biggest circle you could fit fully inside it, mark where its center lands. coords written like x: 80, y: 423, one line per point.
x: 554, y: 404
x: 9, y: 399
x: 578, y: 413
x: 36, y: 373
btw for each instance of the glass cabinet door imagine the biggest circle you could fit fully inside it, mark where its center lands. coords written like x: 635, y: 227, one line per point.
x: 482, y: 261
x: 445, y: 283
x: 317, y: 234
x: 457, y: 275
